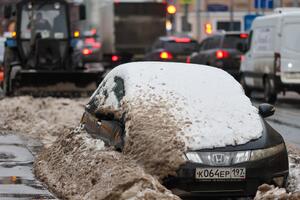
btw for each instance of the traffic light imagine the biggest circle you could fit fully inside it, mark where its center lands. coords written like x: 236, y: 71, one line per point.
x: 171, y: 9
x: 208, y: 28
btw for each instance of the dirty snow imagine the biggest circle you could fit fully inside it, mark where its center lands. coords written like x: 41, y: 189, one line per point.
x: 41, y: 118
x: 208, y: 101
x: 294, y: 162
x: 292, y: 192
x: 76, y: 168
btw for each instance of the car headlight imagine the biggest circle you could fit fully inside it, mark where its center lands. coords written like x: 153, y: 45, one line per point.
x: 193, y: 157
x: 241, y: 156
x: 234, y: 157
x: 218, y: 158
x: 264, y: 153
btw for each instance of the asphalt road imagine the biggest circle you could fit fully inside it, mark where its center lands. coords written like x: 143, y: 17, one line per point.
x: 286, y: 119
x: 17, y: 180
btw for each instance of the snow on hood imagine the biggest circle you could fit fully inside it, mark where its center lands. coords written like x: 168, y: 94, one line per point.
x: 208, y: 101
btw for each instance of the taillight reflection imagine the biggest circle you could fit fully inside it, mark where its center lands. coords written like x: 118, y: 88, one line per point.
x: 188, y: 59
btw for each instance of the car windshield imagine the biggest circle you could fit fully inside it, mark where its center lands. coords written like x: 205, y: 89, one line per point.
x: 232, y: 41
x: 44, y: 20
x: 185, y: 48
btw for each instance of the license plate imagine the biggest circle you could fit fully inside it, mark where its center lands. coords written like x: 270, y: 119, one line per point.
x: 220, y: 173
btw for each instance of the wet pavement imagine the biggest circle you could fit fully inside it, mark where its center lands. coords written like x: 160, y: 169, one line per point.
x: 17, y: 180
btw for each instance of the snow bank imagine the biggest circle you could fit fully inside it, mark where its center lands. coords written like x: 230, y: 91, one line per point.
x: 294, y: 176
x: 41, y: 118
x: 207, y: 101
x: 79, y: 167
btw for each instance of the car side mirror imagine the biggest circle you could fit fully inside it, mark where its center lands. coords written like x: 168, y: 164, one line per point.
x: 266, y: 110
x: 82, y: 12
x: 111, y: 132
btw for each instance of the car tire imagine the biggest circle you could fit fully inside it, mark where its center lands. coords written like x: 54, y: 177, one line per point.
x: 270, y: 95
x: 245, y: 87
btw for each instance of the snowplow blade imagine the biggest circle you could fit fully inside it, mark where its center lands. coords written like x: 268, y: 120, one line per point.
x: 59, y: 83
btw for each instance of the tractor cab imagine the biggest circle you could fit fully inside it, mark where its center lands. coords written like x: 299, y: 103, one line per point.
x: 43, y: 34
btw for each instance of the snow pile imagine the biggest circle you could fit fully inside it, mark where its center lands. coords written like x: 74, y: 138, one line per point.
x: 268, y: 192
x: 78, y: 167
x: 208, y: 101
x: 41, y: 118
x: 294, y: 176
x: 151, y: 137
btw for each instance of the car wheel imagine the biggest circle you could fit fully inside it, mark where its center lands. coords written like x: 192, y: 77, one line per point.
x: 244, y: 85
x: 270, y: 95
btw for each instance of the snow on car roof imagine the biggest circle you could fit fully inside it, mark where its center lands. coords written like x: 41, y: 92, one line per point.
x: 210, y: 103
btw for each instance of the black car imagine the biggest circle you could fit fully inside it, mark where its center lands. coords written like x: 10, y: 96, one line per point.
x: 171, y: 48
x: 222, y: 50
x: 236, y: 167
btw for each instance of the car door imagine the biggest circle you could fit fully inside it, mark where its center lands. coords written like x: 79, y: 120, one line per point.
x: 290, y: 50
x: 102, y: 118
x: 199, y: 57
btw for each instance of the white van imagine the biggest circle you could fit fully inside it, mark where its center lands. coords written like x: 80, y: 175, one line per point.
x: 272, y: 61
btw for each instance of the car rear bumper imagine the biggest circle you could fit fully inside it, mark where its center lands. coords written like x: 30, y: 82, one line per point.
x: 286, y: 85
x: 257, y: 173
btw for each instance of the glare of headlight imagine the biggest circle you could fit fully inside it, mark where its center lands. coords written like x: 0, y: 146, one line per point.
x: 241, y: 156
x: 193, y: 157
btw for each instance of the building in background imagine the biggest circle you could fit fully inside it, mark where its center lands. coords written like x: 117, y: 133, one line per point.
x: 208, y: 16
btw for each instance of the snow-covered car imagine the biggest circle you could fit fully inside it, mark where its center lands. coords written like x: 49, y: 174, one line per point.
x: 192, y: 124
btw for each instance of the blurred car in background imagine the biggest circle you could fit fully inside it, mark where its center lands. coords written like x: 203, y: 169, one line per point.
x: 223, y: 50
x: 90, y: 46
x: 172, y: 48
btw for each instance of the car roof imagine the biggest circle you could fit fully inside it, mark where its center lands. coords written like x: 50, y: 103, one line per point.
x: 209, y: 101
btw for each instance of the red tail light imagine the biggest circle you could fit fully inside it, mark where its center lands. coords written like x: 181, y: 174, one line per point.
x: 1, y: 76
x: 182, y: 40
x: 165, y: 55
x: 188, y: 59
x: 244, y: 35
x: 86, y: 51
x: 277, y: 62
x: 221, y: 54
x: 115, y: 58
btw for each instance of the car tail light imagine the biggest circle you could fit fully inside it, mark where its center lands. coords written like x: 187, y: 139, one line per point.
x: 182, y: 40
x: 86, y: 51
x: 1, y: 76
x: 115, y: 58
x: 277, y: 62
x: 165, y: 55
x: 221, y: 54
x: 244, y: 35
x: 188, y: 59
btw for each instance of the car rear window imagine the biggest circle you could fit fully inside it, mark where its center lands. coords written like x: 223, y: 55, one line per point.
x: 232, y: 41
x: 184, y: 48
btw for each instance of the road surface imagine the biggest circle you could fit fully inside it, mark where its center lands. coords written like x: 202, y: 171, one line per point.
x: 17, y: 180
x: 286, y: 119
